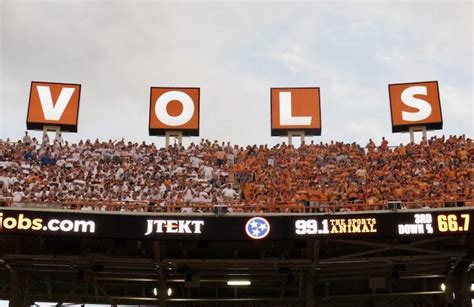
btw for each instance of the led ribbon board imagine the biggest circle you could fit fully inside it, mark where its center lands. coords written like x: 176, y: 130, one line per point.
x: 412, y: 223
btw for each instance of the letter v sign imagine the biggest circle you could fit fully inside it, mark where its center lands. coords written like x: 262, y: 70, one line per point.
x: 53, y: 104
x: 54, y: 111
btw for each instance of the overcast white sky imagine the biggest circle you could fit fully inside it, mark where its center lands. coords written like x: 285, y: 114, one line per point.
x: 236, y: 51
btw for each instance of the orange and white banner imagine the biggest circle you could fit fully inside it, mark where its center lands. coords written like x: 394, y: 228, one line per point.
x: 415, y: 104
x: 174, y: 109
x: 295, y: 109
x: 53, y: 104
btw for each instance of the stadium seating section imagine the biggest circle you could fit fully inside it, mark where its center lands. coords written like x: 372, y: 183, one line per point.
x: 119, y: 175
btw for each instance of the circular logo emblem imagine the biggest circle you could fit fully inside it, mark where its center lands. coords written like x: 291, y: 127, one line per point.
x: 257, y: 228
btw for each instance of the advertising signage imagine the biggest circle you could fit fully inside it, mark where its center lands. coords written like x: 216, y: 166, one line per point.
x: 408, y: 223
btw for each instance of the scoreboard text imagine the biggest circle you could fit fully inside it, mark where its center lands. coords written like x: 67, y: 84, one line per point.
x: 208, y: 226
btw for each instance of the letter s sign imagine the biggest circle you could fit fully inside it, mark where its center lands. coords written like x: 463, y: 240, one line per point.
x: 424, y: 107
x: 415, y: 104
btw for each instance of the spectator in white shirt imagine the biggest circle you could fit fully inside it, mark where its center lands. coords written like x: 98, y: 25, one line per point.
x: 45, y: 139
x: 195, y: 162
x: 207, y: 172
x: 228, y: 193
x: 27, y: 138
x: 18, y: 195
x: 58, y: 139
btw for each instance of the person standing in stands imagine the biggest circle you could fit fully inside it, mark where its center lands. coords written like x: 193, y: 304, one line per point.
x: 45, y: 139
x: 27, y: 139
x: 228, y: 193
x: 58, y: 139
x: 220, y: 157
x: 384, y: 144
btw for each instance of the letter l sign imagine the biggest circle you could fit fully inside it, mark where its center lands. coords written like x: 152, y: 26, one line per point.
x: 286, y: 116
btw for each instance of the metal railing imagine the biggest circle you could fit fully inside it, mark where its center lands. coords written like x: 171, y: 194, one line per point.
x: 237, y: 206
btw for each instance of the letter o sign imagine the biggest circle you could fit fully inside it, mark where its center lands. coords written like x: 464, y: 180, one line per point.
x: 174, y: 109
x: 170, y: 120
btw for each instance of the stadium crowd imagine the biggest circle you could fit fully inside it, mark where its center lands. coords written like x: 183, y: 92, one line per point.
x: 213, y: 173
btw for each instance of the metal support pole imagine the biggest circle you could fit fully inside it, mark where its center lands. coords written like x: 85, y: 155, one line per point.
x: 292, y: 134
x: 17, y: 289
x: 312, y: 253
x: 309, y: 289
x: 162, y: 293
x: 449, y: 290
x: 173, y: 134
x: 55, y: 129
x: 462, y: 289
x: 159, y: 252
x: 414, y: 129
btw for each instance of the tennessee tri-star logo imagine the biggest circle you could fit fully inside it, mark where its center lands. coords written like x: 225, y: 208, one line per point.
x: 257, y: 228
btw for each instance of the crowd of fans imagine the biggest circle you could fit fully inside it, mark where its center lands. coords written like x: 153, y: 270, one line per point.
x: 213, y: 173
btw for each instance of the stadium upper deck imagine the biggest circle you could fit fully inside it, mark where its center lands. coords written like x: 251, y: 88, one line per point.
x: 130, y: 175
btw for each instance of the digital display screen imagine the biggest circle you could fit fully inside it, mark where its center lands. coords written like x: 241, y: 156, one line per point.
x: 437, y: 223
x: 326, y: 226
x: 390, y: 224
x: 237, y: 227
